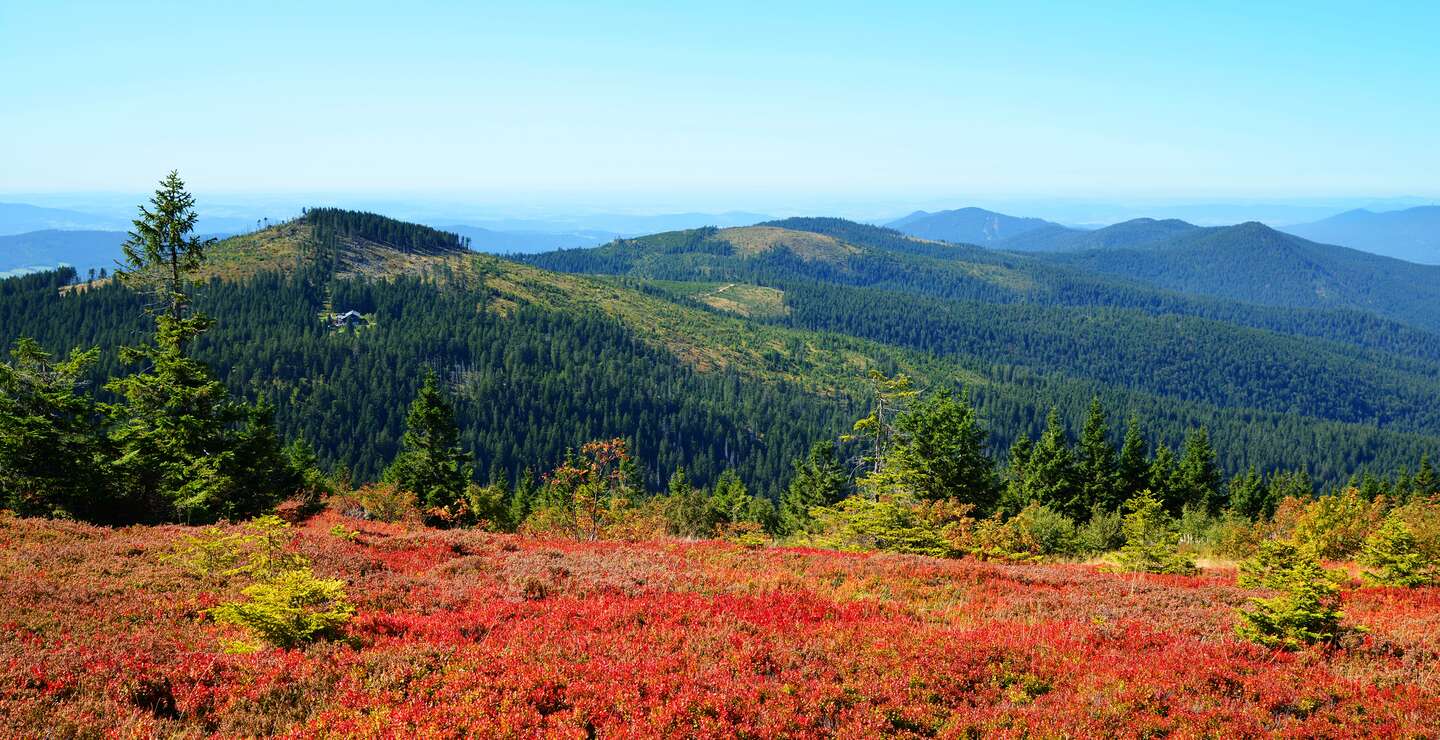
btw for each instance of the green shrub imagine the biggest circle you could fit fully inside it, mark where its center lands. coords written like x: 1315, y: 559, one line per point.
x: 290, y: 609
x: 1306, y: 611
x: 858, y: 523
x: 1422, y: 515
x: 1032, y: 534
x: 387, y: 502
x: 258, y: 551
x: 1336, y: 526
x: 1151, y: 539
x: 1393, y: 557
x: 1104, y: 532
x: 1271, y: 566
x: 285, y: 604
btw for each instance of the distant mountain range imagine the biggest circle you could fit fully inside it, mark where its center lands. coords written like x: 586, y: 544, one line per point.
x: 527, y: 242
x: 47, y: 249
x: 19, y: 218
x: 1412, y: 234
x: 968, y: 226
x: 1254, y: 263
x: 1015, y: 234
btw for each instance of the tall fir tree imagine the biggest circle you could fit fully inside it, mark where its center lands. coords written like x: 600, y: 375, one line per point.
x: 1424, y: 483
x: 1198, y: 476
x: 186, y: 450
x: 1133, y: 467
x: 939, y: 453
x: 1096, y: 467
x: 1015, y: 497
x: 1249, y: 496
x: 1050, y: 477
x: 431, y: 463
x: 1162, y: 476
x: 819, y: 480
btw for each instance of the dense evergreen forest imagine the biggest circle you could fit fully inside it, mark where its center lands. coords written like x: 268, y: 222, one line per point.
x: 529, y: 384
x: 532, y: 381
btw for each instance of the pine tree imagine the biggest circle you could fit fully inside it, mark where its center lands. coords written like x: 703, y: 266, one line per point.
x: 891, y: 396
x: 1015, y: 496
x: 1162, y: 476
x: 1151, y: 539
x: 522, y: 499
x: 1305, y: 611
x: 52, y: 459
x: 939, y: 453
x: 1133, y: 467
x: 819, y: 480
x: 1424, y: 483
x: 1198, y: 477
x: 1392, y: 557
x: 431, y: 463
x: 1050, y: 477
x: 1096, y: 467
x: 687, y: 512
x: 1249, y: 496
x: 732, y: 503
x: 162, y: 254
x: 186, y: 450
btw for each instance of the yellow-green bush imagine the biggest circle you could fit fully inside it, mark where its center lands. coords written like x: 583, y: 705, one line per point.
x: 289, y: 609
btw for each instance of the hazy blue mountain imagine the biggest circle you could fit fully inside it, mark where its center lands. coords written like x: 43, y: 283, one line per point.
x: 20, y: 218
x: 527, y: 242
x: 616, y: 223
x: 1412, y: 234
x: 50, y: 248
x: 967, y: 226
x: 1254, y: 263
x: 1137, y: 232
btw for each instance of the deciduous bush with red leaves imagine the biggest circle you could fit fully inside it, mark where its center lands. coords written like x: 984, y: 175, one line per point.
x: 465, y: 633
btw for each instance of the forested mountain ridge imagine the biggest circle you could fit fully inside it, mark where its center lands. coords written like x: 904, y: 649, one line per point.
x: 967, y: 226
x: 882, y: 258
x: 1411, y: 234
x: 1253, y: 263
x: 1134, y: 233
x: 540, y: 361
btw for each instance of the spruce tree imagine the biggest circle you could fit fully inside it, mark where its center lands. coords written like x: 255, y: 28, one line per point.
x: 1151, y: 539
x: 186, y: 449
x: 1133, y: 467
x: 1050, y: 477
x: 522, y: 500
x: 431, y: 463
x: 1393, y: 557
x: 1249, y: 497
x: 939, y: 453
x: 1424, y: 483
x: 819, y: 480
x: 1015, y: 496
x: 687, y: 512
x: 52, y: 459
x: 1162, y: 476
x: 1096, y: 467
x: 1198, y: 476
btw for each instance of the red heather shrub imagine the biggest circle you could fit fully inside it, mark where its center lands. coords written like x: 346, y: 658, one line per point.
x: 466, y: 633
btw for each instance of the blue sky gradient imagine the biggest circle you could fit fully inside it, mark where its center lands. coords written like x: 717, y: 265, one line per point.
x: 724, y: 105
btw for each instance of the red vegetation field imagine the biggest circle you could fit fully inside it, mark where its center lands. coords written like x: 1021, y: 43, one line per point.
x: 464, y: 633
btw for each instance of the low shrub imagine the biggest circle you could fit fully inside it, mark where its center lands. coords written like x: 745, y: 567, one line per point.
x: 1151, y: 539
x: 1307, y: 609
x: 289, y: 609
x: 1393, y: 557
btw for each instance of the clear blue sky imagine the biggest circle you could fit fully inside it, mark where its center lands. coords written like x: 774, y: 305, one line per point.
x: 735, y: 101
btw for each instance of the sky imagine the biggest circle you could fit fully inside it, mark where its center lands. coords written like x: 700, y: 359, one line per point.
x: 726, y: 105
